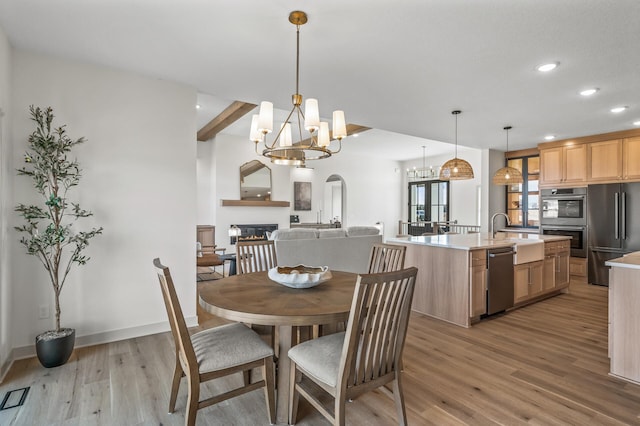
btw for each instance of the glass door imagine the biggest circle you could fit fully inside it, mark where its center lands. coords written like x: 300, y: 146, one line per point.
x: 428, y: 202
x: 533, y: 193
x: 515, y: 209
x: 523, y: 200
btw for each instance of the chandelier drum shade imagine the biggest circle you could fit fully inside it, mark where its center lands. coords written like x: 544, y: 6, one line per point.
x: 283, y: 149
x: 507, y: 175
x: 456, y: 168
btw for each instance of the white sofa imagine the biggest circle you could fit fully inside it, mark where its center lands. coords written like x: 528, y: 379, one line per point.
x: 339, y: 249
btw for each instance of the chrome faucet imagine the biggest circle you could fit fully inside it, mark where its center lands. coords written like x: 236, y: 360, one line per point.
x: 493, y: 218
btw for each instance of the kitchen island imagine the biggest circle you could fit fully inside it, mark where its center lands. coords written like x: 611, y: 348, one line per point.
x: 452, y: 271
x: 624, y: 317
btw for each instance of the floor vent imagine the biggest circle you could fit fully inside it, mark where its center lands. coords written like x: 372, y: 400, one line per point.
x: 14, y: 398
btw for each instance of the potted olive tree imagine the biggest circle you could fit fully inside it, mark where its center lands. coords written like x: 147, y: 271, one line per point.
x: 47, y: 232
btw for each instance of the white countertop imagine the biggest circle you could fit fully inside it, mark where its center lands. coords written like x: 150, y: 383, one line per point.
x: 481, y: 240
x: 631, y: 260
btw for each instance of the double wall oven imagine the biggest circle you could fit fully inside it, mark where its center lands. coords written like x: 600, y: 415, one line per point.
x: 564, y: 212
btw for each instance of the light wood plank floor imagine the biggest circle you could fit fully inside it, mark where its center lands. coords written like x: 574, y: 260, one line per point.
x: 545, y: 364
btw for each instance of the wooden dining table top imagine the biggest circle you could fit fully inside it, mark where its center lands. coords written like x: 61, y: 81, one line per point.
x: 256, y: 299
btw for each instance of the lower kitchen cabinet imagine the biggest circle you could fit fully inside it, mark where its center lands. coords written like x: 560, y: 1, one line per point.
x: 562, y: 264
x: 478, y: 282
x: 527, y: 280
x: 549, y: 272
x: 556, y: 264
x: 578, y: 267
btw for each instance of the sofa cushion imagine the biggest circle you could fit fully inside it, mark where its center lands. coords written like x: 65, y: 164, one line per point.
x: 294, y: 234
x: 356, y: 231
x: 331, y: 233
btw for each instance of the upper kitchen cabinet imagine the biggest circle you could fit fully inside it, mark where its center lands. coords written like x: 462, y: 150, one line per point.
x: 607, y: 158
x: 605, y: 161
x: 563, y: 165
x: 631, y: 158
x: 614, y: 160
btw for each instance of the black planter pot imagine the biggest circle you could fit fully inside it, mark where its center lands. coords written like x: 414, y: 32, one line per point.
x: 53, y: 348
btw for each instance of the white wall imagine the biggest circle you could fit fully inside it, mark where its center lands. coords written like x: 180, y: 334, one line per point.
x: 372, y: 187
x: 206, y: 183
x: 495, y: 197
x: 140, y: 182
x: 230, y: 153
x: 6, y: 204
x: 372, y: 184
x: 463, y: 193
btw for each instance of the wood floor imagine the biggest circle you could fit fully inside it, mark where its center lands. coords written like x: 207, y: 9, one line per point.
x: 545, y: 364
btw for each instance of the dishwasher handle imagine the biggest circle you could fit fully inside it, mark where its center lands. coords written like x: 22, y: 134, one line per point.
x: 507, y: 253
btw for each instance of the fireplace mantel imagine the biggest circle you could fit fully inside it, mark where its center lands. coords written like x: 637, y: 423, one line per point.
x: 253, y: 203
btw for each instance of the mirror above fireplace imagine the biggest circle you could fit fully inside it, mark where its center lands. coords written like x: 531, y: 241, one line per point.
x: 255, y: 181
x: 255, y: 187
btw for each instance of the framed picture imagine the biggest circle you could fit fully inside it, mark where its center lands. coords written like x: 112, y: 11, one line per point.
x: 301, y: 195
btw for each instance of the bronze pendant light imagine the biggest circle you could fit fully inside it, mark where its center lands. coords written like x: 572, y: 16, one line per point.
x: 507, y: 175
x: 456, y: 168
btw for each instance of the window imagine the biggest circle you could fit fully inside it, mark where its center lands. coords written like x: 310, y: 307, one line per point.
x: 428, y: 202
x: 523, y: 199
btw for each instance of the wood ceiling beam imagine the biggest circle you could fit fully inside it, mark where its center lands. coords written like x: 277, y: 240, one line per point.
x: 351, y: 130
x: 231, y: 114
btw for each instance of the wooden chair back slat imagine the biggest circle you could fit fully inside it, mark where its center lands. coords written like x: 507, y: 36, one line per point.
x: 255, y: 256
x: 386, y: 258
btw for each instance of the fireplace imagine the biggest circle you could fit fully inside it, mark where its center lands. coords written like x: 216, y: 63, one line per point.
x: 253, y: 232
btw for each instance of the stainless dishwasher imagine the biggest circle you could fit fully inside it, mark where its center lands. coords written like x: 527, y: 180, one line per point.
x: 499, y: 279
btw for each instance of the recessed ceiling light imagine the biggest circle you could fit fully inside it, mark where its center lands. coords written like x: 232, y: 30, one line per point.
x: 355, y: 135
x: 589, y: 92
x: 547, y: 67
x: 619, y: 109
x: 636, y: 123
x: 197, y: 106
x: 549, y: 137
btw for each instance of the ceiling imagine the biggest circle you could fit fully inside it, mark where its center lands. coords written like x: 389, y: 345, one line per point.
x: 399, y: 67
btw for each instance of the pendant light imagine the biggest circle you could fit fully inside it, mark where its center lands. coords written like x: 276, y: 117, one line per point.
x: 456, y: 168
x: 507, y: 175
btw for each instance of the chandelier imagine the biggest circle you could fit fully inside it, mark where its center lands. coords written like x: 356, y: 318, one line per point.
x: 456, y: 168
x: 424, y: 173
x: 507, y: 175
x: 282, y: 150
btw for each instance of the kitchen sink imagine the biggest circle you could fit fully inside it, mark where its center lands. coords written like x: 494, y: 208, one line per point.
x: 527, y: 251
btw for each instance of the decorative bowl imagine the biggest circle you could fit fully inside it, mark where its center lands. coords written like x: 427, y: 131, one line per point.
x: 300, y: 276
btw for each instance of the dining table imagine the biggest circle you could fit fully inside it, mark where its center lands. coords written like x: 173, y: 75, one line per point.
x: 255, y: 299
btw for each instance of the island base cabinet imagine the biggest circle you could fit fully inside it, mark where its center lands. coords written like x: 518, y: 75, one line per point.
x: 556, y: 265
x: 478, y: 278
x: 527, y: 281
x: 624, y: 327
x: 549, y: 272
x: 562, y: 269
x: 443, y: 282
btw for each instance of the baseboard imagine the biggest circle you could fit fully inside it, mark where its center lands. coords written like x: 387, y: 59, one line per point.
x: 104, y: 337
x: 4, y: 368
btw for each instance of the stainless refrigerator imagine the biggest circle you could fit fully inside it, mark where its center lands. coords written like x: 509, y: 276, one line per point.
x: 613, y: 223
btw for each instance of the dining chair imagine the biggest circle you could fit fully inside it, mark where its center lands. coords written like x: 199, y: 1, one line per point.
x: 370, y: 349
x: 209, y: 259
x: 255, y: 256
x: 214, y: 353
x: 386, y: 258
x: 258, y: 256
